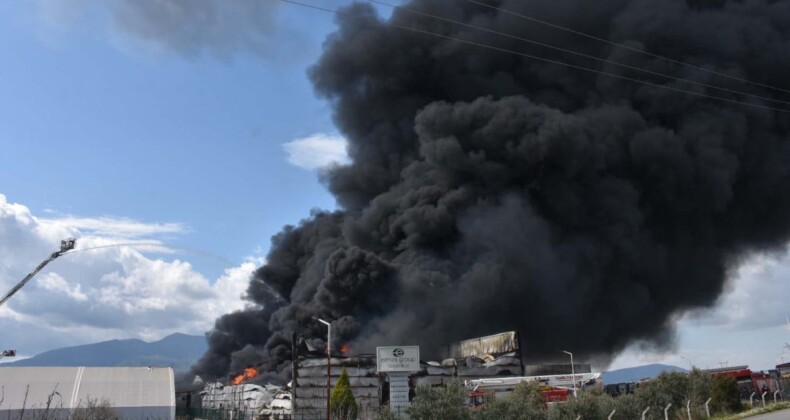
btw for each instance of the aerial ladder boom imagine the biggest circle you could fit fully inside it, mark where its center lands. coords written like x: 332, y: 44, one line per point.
x: 66, y: 245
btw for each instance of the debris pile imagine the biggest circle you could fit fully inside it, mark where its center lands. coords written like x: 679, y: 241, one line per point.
x: 437, y: 373
x: 247, y: 400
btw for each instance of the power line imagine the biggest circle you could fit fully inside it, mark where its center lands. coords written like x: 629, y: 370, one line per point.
x: 573, y: 66
x: 618, y: 45
x: 577, y: 53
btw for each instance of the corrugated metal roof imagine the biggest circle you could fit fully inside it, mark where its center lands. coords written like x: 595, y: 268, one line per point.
x: 72, y: 387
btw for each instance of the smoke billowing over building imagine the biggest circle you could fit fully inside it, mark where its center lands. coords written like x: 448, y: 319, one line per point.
x: 489, y: 191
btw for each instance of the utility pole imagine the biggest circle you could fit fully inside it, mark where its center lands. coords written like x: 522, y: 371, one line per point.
x: 65, y: 245
x: 328, y: 363
x: 573, y: 372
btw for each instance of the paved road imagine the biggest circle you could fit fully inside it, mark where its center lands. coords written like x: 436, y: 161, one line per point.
x: 776, y: 415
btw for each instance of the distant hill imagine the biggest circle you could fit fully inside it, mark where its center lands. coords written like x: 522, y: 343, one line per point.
x: 633, y: 374
x: 178, y: 351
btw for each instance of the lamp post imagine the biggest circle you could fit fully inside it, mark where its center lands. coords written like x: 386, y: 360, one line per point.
x: 328, y: 362
x: 573, y: 372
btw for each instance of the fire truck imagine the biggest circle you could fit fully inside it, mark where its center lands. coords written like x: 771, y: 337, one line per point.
x: 748, y: 381
x: 555, y: 388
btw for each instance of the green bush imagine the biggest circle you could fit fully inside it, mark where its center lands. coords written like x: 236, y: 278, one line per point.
x: 528, y: 393
x: 700, y: 387
x: 342, y: 403
x: 439, y: 403
x: 385, y: 413
x: 525, y: 403
x: 668, y: 387
x: 627, y: 407
x: 589, y: 406
x: 726, y: 396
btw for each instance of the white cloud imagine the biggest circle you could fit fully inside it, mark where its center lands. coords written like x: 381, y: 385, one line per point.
x: 105, y: 293
x: 115, y: 227
x: 317, y: 151
x: 53, y: 282
x: 756, y: 297
x: 746, y: 327
x: 185, y: 27
x: 711, y: 347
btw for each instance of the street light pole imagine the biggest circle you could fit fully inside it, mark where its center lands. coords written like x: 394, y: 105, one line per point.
x: 328, y: 363
x: 573, y: 372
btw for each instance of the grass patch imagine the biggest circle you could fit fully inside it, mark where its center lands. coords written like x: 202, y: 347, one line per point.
x: 755, y: 411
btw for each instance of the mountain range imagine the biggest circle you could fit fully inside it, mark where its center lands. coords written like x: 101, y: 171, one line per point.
x: 179, y: 351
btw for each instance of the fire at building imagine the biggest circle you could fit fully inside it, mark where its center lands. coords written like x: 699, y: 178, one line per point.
x: 249, y: 373
x: 488, y: 367
x: 483, y: 189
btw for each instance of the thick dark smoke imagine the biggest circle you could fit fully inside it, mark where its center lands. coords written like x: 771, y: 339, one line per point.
x: 491, y: 192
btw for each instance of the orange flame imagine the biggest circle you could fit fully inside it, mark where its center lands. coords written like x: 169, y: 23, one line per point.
x: 249, y: 373
x: 345, y: 348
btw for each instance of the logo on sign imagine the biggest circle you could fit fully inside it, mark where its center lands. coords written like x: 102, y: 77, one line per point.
x: 398, y: 359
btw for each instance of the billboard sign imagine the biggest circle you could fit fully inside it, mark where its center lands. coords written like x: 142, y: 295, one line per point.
x: 398, y: 359
x: 505, y: 342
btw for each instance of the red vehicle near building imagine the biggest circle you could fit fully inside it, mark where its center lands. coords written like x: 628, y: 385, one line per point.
x: 477, y: 399
x: 748, y: 381
x: 555, y: 388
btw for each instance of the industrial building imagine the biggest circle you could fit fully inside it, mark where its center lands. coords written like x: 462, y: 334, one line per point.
x: 494, y: 356
x: 57, y: 392
x: 491, y: 364
x: 309, y: 384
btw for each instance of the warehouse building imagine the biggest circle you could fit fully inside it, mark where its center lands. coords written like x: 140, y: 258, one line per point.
x: 57, y: 392
x: 492, y: 356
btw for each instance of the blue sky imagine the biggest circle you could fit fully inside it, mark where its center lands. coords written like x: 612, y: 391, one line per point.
x: 115, y: 137
x: 113, y: 132
x: 91, y: 129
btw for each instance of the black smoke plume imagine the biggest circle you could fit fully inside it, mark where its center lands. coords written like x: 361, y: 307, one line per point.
x: 489, y: 191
